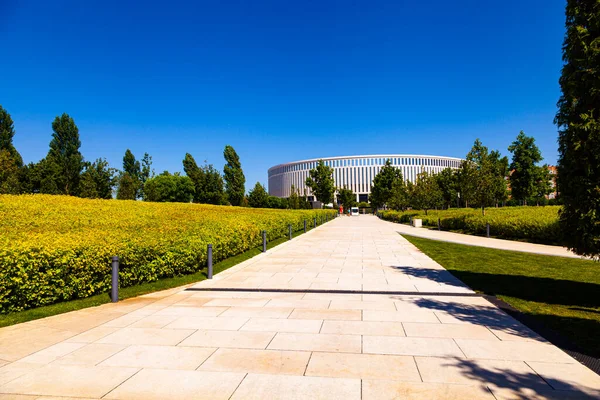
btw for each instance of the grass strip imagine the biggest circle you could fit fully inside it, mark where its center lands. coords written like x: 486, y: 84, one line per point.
x: 562, y: 294
x: 138, y: 290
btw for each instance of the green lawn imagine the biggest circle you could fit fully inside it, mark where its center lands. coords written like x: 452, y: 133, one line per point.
x: 133, y: 291
x: 561, y: 293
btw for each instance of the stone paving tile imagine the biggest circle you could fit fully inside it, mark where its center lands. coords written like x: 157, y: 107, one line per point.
x: 149, y: 336
x: 245, y: 302
x: 93, y: 334
x: 344, y: 315
x: 488, y: 372
x: 158, y: 384
x: 263, y: 312
x: 363, y: 305
x: 14, y: 370
x: 363, y: 366
x: 163, y: 357
x: 69, y: 380
x: 281, y: 387
x: 91, y: 354
x: 515, y: 351
x: 208, y: 323
x: 377, y: 328
x: 297, y: 304
x: 231, y: 339
x: 395, y: 390
x: 316, y: 342
x: 456, y: 331
x: 52, y: 353
x: 411, y: 346
x: 568, y: 377
x: 192, y: 311
x: 257, y: 361
x: 412, y: 315
x: 154, y: 321
x: 282, y: 325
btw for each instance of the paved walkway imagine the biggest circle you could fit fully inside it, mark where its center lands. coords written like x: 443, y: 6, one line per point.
x: 310, y: 344
x: 480, y: 241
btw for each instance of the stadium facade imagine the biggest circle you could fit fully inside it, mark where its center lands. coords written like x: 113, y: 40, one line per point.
x: 354, y: 172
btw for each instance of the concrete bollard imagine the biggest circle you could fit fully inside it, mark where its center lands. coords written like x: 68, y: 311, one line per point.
x: 315, y: 222
x: 304, y: 226
x: 209, y: 273
x: 487, y: 228
x: 439, y: 225
x: 264, y: 237
x: 290, y: 229
x: 114, y: 290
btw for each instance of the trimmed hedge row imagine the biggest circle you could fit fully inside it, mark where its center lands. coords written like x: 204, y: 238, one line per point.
x: 532, y: 224
x: 57, y: 248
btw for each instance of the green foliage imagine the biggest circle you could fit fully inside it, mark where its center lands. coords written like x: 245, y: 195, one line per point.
x: 533, y: 224
x: 320, y: 181
x: 399, y: 196
x: 9, y: 173
x: 169, y: 188
x: 57, y: 248
x: 258, y: 197
x: 381, y: 190
x: 447, y: 182
x: 7, y: 132
x: 98, y: 180
x: 235, y: 180
x: 525, y: 177
x: 425, y: 194
x: 127, y: 187
x: 294, y: 199
x: 277, y: 202
x: 347, y: 198
x: 131, y: 168
x: 579, y: 129
x: 64, y: 154
x: 208, y: 182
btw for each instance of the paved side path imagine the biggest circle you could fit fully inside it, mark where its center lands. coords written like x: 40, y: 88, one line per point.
x: 480, y: 241
x: 310, y: 344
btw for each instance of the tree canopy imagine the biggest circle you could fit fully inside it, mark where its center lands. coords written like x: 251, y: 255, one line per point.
x: 381, y: 191
x: 235, y: 180
x: 578, y: 122
x: 65, y: 156
x: 320, y: 181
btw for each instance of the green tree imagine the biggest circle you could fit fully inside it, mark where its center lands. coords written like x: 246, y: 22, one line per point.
x: 542, y: 184
x: 426, y: 193
x: 258, y: 196
x: 399, y: 197
x: 127, y: 187
x: 488, y: 173
x: 466, y: 179
x: 7, y: 132
x: 381, y: 190
x: 146, y: 172
x: 132, y: 168
x: 9, y: 174
x: 98, y: 180
x: 235, y: 181
x: 64, y: 154
x: 320, y: 182
x: 579, y: 129
x: 347, y: 198
x: 294, y: 199
x: 191, y: 169
x: 525, y: 156
x: 169, y: 188
x: 447, y: 181
x: 208, y: 182
x: 277, y: 202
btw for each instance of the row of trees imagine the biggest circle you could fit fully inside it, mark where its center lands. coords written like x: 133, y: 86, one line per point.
x: 481, y: 181
x: 65, y: 171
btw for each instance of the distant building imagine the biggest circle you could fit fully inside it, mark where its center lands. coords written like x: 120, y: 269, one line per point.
x: 354, y: 172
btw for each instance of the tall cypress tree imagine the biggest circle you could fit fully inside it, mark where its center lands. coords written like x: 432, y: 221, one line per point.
x: 7, y: 132
x: 578, y: 121
x: 235, y: 181
x: 64, y: 154
x: 526, y: 155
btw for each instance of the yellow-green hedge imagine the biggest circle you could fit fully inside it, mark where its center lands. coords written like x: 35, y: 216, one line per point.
x: 532, y: 224
x: 57, y: 248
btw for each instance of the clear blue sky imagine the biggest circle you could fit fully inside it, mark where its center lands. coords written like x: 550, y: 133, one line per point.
x: 281, y: 80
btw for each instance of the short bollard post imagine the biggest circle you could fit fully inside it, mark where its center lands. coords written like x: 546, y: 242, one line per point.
x: 315, y: 222
x: 439, y: 225
x: 264, y: 237
x: 304, y: 226
x: 290, y: 228
x: 487, y: 228
x: 209, y: 274
x: 114, y: 292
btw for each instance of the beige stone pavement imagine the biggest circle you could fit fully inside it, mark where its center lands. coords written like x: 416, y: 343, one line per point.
x: 297, y: 345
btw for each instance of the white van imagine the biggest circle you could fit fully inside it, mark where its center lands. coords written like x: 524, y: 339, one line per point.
x: 354, y: 211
